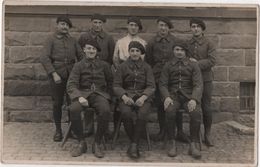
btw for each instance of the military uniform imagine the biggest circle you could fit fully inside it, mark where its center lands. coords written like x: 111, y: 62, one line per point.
x: 60, y: 53
x: 204, y: 52
x: 134, y: 79
x: 181, y: 81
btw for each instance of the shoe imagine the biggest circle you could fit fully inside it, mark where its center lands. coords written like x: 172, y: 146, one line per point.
x: 181, y: 136
x: 57, y: 136
x: 208, y: 141
x: 79, y: 150
x: 133, y: 151
x: 172, y: 150
x: 97, y: 151
x: 194, y: 150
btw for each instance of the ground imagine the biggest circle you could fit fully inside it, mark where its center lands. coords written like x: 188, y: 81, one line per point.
x: 32, y: 143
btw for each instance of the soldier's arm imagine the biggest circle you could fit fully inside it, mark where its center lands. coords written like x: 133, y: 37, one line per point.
x: 149, y: 54
x: 150, y: 83
x: 197, y: 83
x: 211, y: 59
x: 109, y: 78
x: 163, y: 82
x: 45, y: 58
x: 116, y: 55
x: 79, y: 52
x: 119, y: 91
x: 74, y: 82
x: 111, y: 48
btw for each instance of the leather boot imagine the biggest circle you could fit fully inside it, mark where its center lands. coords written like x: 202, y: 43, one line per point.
x: 194, y: 150
x: 97, y: 150
x: 172, y: 150
x: 57, y: 136
x: 133, y: 151
x: 79, y: 149
x: 208, y: 140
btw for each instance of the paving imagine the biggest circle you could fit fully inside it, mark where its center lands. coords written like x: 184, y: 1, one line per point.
x: 32, y: 143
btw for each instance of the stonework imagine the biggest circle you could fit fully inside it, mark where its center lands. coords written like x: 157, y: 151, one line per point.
x: 26, y: 89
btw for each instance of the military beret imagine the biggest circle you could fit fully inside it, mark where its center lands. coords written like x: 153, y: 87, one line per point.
x: 91, y: 42
x: 138, y: 45
x: 199, y: 22
x: 135, y: 20
x: 75, y: 107
x: 98, y: 17
x: 165, y: 20
x: 65, y: 19
x: 181, y: 43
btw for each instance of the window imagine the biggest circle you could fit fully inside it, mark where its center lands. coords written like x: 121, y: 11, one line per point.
x: 247, y: 96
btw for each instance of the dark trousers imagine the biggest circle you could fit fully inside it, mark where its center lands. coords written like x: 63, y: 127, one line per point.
x: 57, y: 92
x: 129, y: 114
x: 206, y: 105
x: 102, y: 109
x: 195, y: 118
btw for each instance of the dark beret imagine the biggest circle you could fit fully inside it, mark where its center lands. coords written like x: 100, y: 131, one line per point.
x: 91, y: 42
x: 138, y: 45
x: 98, y: 17
x: 65, y: 19
x: 135, y: 20
x: 199, y: 22
x: 166, y: 20
x: 181, y: 43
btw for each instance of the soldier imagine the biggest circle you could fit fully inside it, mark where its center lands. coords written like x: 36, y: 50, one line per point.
x: 181, y: 86
x: 203, y: 51
x: 159, y: 51
x: 134, y: 86
x: 90, y: 84
x: 107, y: 45
x: 60, y: 53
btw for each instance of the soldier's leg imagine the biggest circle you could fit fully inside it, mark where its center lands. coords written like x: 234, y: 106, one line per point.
x: 77, y: 128
x: 102, y: 108
x: 207, y: 112
x: 170, y: 122
x: 89, y: 123
x: 58, y: 91
x: 181, y: 136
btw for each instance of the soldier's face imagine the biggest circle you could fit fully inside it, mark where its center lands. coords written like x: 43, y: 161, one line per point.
x: 135, y: 53
x: 133, y: 28
x: 62, y: 27
x: 97, y: 25
x: 163, y: 28
x: 179, y: 52
x: 196, y: 30
x: 90, y: 51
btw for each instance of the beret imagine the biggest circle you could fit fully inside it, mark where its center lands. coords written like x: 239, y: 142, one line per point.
x: 135, y: 20
x: 91, y: 42
x: 165, y: 20
x: 138, y: 45
x: 65, y: 19
x: 199, y: 22
x: 181, y: 43
x: 98, y: 17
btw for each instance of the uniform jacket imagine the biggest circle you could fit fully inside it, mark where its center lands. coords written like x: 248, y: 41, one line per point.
x: 90, y: 76
x: 59, y: 54
x: 134, y: 79
x: 204, y: 52
x: 158, y: 52
x: 105, y: 41
x: 181, y: 76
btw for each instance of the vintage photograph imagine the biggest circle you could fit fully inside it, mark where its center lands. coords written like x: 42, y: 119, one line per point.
x: 158, y: 84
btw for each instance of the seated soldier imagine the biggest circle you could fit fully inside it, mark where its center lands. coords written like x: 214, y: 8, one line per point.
x: 133, y: 85
x: 181, y: 86
x: 89, y: 84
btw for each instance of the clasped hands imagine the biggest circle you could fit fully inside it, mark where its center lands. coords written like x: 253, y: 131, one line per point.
x: 129, y: 101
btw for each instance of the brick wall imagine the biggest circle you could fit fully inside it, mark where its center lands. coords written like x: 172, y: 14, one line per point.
x: 26, y: 89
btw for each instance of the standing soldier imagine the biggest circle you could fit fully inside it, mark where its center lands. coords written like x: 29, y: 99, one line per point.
x: 60, y: 53
x: 134, y: 86
x: 181, y: 86
x: 159, y: 51
x: 203, y: 51
x: 89, y: 85
x: 107, y: 45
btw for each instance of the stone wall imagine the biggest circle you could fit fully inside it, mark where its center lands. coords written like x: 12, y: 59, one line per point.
x: 26, y: 89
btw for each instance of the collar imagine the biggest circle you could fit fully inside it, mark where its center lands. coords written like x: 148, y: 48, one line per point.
x: 199, y: 40
x: 90, y: 62
x: 159, y: 38
x: 185, y: 61
x: 60, y: 35
x: 136, y: 37
x: 100, y: 34
x: 138, y: 63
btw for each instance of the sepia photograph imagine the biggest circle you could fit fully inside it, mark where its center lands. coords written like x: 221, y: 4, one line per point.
x: 129, y: 83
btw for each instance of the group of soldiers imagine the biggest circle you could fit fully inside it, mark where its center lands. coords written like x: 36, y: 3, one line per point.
x: 131, y: 74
